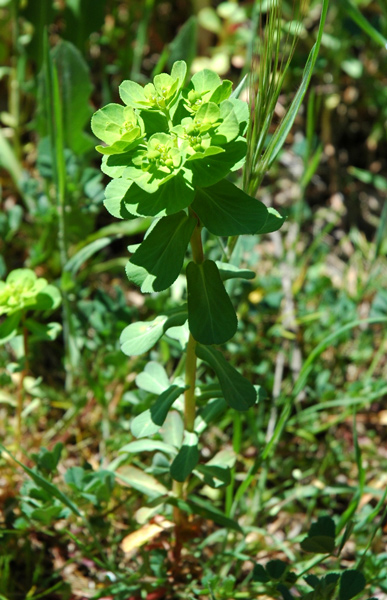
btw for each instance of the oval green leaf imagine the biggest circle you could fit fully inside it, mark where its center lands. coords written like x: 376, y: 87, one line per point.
x: 318, y: 544
x: 162, y: 252
x: 147, y: 445
x: 211, y: 315
x: 140, y: 337
x: 115, y: 196
x: 238, y: 392
x: 140, y: 481
x: 153, y: 379
x: 273, y: 222
x: 352, y: 582
x: 150, y: 421
x: 171, y: 197
x: 212, y: 169
x: 226, y: 210
x: 187, y: 457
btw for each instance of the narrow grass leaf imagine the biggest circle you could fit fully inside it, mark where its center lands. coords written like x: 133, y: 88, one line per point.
x: 183, y: 46
x: 364, y: 24
x: 346, y: 535
x: 75, y: 262
x: 75, y: 90
x: 279, y: 137
x: 238, y: 90
x: 9, y: 161
x: 46, y: 485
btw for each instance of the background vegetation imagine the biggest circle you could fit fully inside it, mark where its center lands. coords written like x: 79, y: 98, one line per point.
x: 310, y: 323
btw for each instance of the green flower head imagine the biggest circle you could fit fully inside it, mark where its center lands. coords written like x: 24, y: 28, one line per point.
x: 154, y: 163
x: 119, y: 127
x: 165, y: 141
x: 159, y: 95
x: 23, y: 290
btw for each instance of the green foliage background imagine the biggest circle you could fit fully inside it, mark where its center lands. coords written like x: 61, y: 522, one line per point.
x: 311, y: 306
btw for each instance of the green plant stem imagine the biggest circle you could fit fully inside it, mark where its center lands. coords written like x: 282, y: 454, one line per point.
x: 190, y: 363
x: 140, y: 42
x: 190, y: 378
x: 57, y: 149
x: 21, y: 392
x: 231, y: 243
x: 180, y: 488
x: 14, y: 96
x: 196, y: 241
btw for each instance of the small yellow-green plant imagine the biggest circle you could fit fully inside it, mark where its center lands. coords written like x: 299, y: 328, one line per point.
x: 21, y: 293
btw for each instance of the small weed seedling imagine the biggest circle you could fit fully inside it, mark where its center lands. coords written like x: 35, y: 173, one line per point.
x: 23, y: 292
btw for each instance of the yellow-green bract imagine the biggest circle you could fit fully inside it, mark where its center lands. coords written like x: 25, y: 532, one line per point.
x: 23, y: 290
x: 169, y: 149
x: 170, y: 136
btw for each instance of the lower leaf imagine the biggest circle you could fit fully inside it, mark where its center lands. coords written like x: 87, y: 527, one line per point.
x: 187, y: 457
x: 238, y: 392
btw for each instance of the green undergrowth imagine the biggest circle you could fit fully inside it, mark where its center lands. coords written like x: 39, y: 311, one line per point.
x: 276, y: 489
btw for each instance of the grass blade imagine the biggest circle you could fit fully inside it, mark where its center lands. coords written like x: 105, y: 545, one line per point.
x: 364, y: 24
x: 283, y: 130
x: 45, y: 484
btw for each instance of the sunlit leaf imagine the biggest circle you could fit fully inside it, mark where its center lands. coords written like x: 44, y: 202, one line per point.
x: 140, y: 481
x: 153, y: 379
x: 141, y: 336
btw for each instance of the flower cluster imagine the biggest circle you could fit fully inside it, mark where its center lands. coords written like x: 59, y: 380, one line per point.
x: 169, y: 137
x: 23, y: 290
